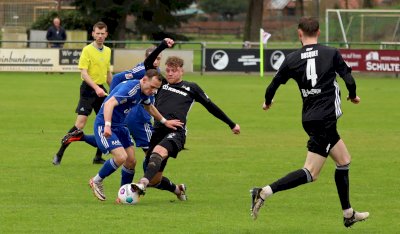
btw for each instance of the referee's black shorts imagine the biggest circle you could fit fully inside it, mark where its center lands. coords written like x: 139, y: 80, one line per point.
x: 88, y: 100
x: 323, y: 136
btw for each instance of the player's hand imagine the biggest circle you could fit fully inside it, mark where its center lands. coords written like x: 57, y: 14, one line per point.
x: 267, y: 107
x: 107, y: 131
x: 173, y: 123
x: 236, y: 129
x: 100, y: 92
x: 169, y: 42
x: 355, y: 100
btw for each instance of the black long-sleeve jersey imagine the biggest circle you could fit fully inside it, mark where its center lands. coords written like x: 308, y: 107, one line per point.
x: 174, y: 101
x: 314, y: 68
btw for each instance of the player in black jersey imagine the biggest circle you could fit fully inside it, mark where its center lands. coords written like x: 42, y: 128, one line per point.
x: 174, y: 100
x: 314, y: 68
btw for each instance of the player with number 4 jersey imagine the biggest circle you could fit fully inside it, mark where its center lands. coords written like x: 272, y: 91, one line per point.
x: 314, y: 68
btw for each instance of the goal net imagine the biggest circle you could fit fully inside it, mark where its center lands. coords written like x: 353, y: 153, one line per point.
x: 362, y: 26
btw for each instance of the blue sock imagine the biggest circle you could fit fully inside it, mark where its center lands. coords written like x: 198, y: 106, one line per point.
x: 127, y: 175
x: 90, y: 140
x: 108, y: 168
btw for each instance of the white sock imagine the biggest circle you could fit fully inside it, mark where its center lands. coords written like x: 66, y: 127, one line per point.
x: 97, y: 178
x: 266, y: 192
x: 348, y: 213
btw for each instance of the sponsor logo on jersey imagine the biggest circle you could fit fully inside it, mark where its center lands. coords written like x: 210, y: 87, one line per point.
x: 219, y: 59
x: 185, y: 87
x: 171, y: 135
x: 128, y: 76
x: 116, y: 142
x: 166, y: 87
x: 307, y: 92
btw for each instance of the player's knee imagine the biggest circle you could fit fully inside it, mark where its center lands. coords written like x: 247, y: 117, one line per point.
x: 120, y: 158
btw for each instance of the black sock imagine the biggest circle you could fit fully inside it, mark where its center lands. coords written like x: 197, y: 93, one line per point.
x: 292, y: 180
x: 153, y: 166
x: 166, y: 184
x: 342, y: 185
x: 73, y: 129
x: 62, y: 149
x: 98, y: 154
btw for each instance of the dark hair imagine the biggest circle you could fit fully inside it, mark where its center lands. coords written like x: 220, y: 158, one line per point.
x: 309, y: 26
x: 153, y: 73
x: 174, y: 61
x: 100, y: 25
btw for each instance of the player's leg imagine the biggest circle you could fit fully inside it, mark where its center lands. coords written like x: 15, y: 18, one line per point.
x: 163, y: 183
x: 84, y: 109
x: 75, y: 133
x: 109, y: 167
x: 341, y: 156
x: 169, y: 146
x: 316, y: 156
x: 115, y: 144
x: 128, y: 168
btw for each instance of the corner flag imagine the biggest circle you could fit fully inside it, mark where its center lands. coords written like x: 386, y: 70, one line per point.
x: 264, y: 36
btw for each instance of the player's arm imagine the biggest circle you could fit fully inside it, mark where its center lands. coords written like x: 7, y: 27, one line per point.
x: 211, y: 107
x: 344, y: 71
x: 281, y: 77
x: 109, y: 106
x: 172, y: 123
x: 109, y: 78
x: 86, y: 77
x: 149, y: 61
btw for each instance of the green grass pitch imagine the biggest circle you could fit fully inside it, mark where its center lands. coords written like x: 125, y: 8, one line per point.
x: 218, y: 167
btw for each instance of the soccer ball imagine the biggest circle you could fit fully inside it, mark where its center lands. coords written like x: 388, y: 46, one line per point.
x: 126, y: 195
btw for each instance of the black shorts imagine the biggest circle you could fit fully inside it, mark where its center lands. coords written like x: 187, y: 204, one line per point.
x: 323, y: 136
x: 172, y: 140
x: 88, y: 100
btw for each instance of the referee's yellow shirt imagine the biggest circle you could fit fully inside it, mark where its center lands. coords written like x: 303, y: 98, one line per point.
x: 97, y: 62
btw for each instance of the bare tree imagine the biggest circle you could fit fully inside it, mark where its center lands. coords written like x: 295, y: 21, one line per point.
x: 253, y: 20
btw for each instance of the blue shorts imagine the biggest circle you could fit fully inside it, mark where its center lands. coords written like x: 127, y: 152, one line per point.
x: 119, y: 138
x: 140, y: 127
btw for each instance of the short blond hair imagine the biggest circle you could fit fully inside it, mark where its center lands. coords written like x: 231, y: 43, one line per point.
x: 174, y: 61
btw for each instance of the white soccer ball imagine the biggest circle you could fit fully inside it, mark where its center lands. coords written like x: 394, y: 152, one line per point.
x: 126, y: 195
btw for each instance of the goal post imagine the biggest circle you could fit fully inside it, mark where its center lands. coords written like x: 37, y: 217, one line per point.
x: 361, y: 25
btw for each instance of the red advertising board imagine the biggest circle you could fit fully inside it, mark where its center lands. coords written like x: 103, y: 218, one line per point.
x: 372, y: 60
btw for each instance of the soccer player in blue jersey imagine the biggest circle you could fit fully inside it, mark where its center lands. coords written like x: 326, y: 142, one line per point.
x: 138, y: 121
x: 110, y: 131
x: 314, y: 68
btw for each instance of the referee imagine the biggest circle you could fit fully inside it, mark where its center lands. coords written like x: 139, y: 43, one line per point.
x: 314, y: 69
x: 94, y: 64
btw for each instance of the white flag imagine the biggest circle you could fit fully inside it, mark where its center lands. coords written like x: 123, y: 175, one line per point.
x: 265, y: 36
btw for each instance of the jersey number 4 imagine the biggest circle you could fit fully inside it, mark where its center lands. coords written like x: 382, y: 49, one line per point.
x: 311, y: 71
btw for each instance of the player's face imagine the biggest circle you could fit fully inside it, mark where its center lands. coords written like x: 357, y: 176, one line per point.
x: 150, y: 86
x: 173, y: 74
x: 157, y: 61
x: 99, y: 35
